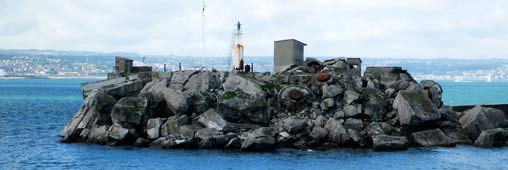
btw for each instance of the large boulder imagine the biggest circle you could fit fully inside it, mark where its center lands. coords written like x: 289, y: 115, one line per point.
x: 125, y: 88
x: 492, y: 138
x: 153, y: 127
x: 262, y: 139
x: 130, y: 111
x: 318, y: 133
x: 433, y: 90
x: 389, y: 143
x: 495, y: 116
x: 474, y: 121
x: 236, y: 82
x: 175, y: 100
x: 98, y: 134
x: 375, y: 105
x: 337, y: 132
x: 202, y: 88
x: 433, y: 137
x: 200, y: 83
x: 387, y: 75
x: 243, y: 101
x: 95, y: 110
x: 173, y: 124
x: 330, y: 91
x: 351, y: 96
x: 179, y: 78
x: 294, y: 126
x: 207, y: 137
x: 117, y: 132
x: 212, y: 120
x: 414, y: 108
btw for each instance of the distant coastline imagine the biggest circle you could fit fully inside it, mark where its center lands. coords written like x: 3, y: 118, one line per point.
x: 51, y: 77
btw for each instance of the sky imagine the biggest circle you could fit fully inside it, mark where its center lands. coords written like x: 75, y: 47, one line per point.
x: 352, y: 28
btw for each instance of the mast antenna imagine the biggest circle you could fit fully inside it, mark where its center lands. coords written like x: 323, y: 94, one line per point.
x: 203, y: 43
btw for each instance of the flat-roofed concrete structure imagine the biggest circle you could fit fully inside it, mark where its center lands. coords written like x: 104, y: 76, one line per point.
x: 287, y: 53
x: 355, y: 63
x: 123, y: 65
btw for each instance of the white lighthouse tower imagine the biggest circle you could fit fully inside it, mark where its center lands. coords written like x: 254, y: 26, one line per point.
x: 237, y: 60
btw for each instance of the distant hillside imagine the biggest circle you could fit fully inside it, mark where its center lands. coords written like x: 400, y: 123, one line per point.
x: 35, y: 52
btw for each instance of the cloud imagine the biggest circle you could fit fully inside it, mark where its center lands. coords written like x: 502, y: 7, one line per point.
x: 384, y: 28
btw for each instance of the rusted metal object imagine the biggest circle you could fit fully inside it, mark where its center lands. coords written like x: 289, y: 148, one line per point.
x: 295, y: 94
x: 322, y: 77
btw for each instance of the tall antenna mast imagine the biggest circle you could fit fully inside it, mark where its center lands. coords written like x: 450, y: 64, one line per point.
x: 203, y: 43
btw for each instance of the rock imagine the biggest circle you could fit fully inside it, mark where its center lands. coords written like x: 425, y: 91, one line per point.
x: 178, y: 102
x: 433, y: 90
x: 99, y: 134
x: 207, y: 137
x: 294, y: 126
x: 261, y: 139
x: 353, y: 123
x: 351, y: 96
x: 375, y: 129
x: 389, y: 143
x: 336, y: 132
x: 153, y: 127
x: 358, y: 83
x: 202, y: 82
x: 414, y: 108
x: 173, y: 124
x: 239, y: 127
x: 142, y: 142
x: 236, y: 82
x: 179, y: 78
x: 95, y: 110
x: 353, y: 110
x: 331, y: 91
x: 155, y: 86
x: 163, y: 142
x: 433, y: 137
x: 125, y: 88
x: 496, y: 117
x: 318, y: 133
x: 387, y: 75
x: 492, y: 138
x: 375, y: 105
x: 239, y: 106
x: 117, y: 132
x: 129, y: 112
x: 474, y: 122
x: 319, y: 121
x: 212, y: 120
x: 313, y: 65
x: 327, y: 104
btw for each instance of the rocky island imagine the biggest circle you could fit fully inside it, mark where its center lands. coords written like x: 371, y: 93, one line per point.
x: 313, y: 105
x: 319, y: 105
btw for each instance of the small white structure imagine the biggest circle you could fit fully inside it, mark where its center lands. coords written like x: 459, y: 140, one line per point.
x: 237, y: 47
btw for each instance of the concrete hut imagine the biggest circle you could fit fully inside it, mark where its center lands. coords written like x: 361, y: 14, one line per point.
x: 287, y: 53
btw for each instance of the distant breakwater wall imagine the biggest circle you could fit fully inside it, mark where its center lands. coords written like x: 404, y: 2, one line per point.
x: 317, y: 105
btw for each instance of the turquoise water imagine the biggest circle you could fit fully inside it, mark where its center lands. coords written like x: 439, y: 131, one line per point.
x: 474, y: 92
x: 32, y: 112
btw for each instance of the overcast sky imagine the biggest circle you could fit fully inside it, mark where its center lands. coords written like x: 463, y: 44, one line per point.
x: 372, y: 28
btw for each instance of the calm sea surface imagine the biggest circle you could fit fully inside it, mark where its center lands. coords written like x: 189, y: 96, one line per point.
x: 32, y: 113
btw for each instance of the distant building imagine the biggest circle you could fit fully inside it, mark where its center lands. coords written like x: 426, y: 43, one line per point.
x: 124, y: 67
x: 287, y: 53
x: 355, y: 63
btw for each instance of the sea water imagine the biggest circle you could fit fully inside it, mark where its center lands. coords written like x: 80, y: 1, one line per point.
x: 33, y: 111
